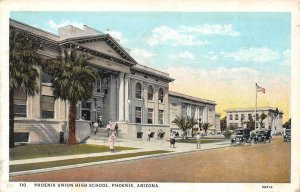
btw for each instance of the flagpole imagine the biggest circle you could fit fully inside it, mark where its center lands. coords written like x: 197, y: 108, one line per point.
x: 255, y: 106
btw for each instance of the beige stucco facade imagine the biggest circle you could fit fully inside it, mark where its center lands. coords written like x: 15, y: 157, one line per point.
x: 239, y: 117
x: 134, y: 95
x: 201, y: 109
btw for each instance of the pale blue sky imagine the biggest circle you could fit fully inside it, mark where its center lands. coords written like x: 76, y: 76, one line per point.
x: 249, y: 33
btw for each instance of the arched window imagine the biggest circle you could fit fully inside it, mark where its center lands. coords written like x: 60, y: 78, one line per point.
x: 160, y: 95
x: 138, y: 91
x: 236, y: 117
x: 150, y: 93
x: 230, y: 117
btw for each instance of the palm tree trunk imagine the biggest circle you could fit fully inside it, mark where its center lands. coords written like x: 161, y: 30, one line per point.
x: 72, y: 116
x: 11, y: 119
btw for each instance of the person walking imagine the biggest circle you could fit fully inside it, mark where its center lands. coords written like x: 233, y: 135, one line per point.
x: 112, y: 136
x: 100, y: 123
x: 116, y: 129
x: 149, y: 135
x: 172, y: 140
x: 95, y: 127
x: 198, y: 138
x: 111, y: 141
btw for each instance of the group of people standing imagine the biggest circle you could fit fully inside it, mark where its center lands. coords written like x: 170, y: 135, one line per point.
x: 112, y: 131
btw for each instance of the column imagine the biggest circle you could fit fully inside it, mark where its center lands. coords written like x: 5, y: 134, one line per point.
x: 126, y: 98
x: 121, y: 97
x: 204, y: 120
x: 197, y: 116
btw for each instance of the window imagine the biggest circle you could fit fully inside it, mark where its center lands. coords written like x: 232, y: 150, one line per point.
x: 230, y: 117
x: 105, y: 83
x: 138, y: 91
x: 249, y: 116
x: 98, y: 86
x: 150, y: 116
x: 242, y: 117
x: 138, y: 114
x: 46, y: 78
x: 150, y: 93
x: 47, y: 106
x: 20, y: 104
x: 86, y: 110
x: 160, y: 95
x: 236, y: 117
x: 160, y: 117
x: 263, y: 125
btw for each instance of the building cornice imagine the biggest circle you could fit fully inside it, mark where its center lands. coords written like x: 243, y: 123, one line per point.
x: 180, y: 95
x: 252, y: 109
x: 151, y: 72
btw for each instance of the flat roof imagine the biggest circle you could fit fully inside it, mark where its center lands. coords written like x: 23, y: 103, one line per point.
x: 251, y: 109
x: 180, y: 95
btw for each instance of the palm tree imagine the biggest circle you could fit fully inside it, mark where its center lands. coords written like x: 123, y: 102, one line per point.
x: 72, y: 81
x: 206, y: 126
x: 23, y: 73
x: 185, y: 123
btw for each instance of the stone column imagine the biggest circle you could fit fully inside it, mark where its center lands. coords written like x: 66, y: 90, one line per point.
x: 121, y: 97
x: 126, y: 98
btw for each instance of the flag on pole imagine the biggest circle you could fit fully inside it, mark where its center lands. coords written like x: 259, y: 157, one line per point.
x: 260, y: 89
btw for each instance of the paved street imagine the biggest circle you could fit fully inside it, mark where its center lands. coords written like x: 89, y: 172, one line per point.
x: 267, y: 163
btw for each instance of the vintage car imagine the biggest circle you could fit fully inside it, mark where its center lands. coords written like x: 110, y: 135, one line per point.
x: 287, y: 135
x: 263, y: 136
x: 241, y: 136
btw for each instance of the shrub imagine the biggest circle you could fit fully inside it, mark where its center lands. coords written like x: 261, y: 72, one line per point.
x: 227, y: 134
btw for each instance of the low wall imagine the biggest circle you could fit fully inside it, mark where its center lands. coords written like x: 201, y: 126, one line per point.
x: 40, y: 131
x: 47, y: 131
x: 130, y: 130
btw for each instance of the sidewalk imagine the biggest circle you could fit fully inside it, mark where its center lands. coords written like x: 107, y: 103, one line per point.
x: 141, y: 145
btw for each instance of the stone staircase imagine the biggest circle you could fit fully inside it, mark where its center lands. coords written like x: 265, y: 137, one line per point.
x: 102, y: 135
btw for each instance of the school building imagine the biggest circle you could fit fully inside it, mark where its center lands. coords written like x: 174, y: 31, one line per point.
x: 134, y: 95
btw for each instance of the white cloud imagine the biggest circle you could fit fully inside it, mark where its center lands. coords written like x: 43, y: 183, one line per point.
x: 207, y: 29
x: 54, y: 26
x: 165, y: 34
x: 183, y: 55
x: 118, y: 36
x: 253, y: 54
x: 141, y: 55
x: 286, y: 54
x: 212, y: 56
x: 188, y: 35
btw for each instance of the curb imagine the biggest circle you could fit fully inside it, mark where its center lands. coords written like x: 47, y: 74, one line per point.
x: 107, y: 162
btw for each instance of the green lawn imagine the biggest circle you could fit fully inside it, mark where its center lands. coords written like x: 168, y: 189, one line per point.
x: 50, y: 150
x: 203, y: 141
x: 32, y: 166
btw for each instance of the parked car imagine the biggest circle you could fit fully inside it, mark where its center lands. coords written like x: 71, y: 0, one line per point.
x: 263, y: 136
x: 287, y: 135
x: 241, y: 136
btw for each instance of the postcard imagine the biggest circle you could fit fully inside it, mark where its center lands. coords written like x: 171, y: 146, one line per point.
x: 149, y: 95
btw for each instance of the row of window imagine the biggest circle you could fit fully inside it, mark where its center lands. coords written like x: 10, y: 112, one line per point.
x: 47, y: 109
x: 138, y: 88
x: 236, y: 117
x: 47, y: 105
x: 138, y: 93
x: 138, y: 116
x: 235, y: 125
